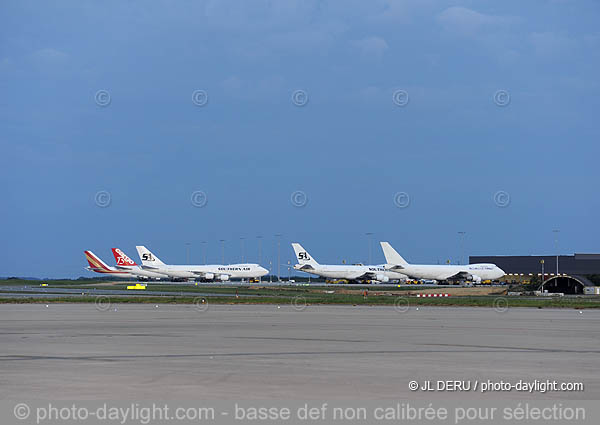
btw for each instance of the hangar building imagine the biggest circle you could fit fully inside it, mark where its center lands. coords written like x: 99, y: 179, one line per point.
x: 577, y: 264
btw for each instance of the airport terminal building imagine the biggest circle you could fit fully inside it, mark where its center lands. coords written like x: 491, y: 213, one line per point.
x: 577, y: 264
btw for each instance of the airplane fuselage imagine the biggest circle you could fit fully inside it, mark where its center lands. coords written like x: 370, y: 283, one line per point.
x: 134, y: 272
x: 443, y: 272
x: 212, y: 271
x: 351, y: 272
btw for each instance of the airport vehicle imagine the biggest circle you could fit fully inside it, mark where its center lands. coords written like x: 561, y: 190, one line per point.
x: 470, y: 272
x: 99, y: 266
x: 353, y: 273
x: 220, y: 272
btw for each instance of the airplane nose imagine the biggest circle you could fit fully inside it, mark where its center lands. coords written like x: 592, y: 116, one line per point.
x: 264, y: 271
x: 501, y: 272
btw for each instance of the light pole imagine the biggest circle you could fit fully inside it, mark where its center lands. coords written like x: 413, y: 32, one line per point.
x: 242, y: 249
x: 204, y: 249
x: 187, y: 249
x: 461, y: 238
x: 222, y: 251
x: 278, y: 257
x: 270, y: 271
x: 556, y: 231
x: 542, y: 263
x: 369, y: 238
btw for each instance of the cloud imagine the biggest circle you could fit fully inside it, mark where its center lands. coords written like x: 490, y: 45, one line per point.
x: 371, y: 47
x: 467, y: 22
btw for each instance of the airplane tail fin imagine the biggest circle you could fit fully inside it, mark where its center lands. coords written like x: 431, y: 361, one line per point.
x: 122, y: 259
x: 303, y: 256
x: 148, y: 259
x: 391, y: 255
x: 95, y: 262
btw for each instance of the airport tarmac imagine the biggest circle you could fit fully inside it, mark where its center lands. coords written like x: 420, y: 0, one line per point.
x: 54, y: 292
x: 228, y: 352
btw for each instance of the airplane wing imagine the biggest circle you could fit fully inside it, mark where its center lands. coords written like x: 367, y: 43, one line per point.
x: 394, y: 268
x: 362, y: 276
x: 149, y: 268
x: 304, y: 268
x: 212, y: 275
x: 451, y: 275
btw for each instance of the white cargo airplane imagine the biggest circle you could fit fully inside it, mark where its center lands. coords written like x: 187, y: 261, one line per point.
x: 133, y: 271
x: 308, y: 264
x: 472, y: 272
x: 209, y: 272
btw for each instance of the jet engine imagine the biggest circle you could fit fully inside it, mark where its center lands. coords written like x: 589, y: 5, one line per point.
x: 224, y: 277
x: 209, y: 276
x: 475, y: 278
x: 382, y: 278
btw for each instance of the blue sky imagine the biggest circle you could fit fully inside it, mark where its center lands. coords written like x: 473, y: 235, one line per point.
x: 506, y: 175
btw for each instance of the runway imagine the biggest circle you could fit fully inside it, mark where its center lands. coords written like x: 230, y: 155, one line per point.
x: 166, y: 352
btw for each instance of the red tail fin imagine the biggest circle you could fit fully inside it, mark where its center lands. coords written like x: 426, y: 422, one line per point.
x: 95, y: 262
x: 122, y: 259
